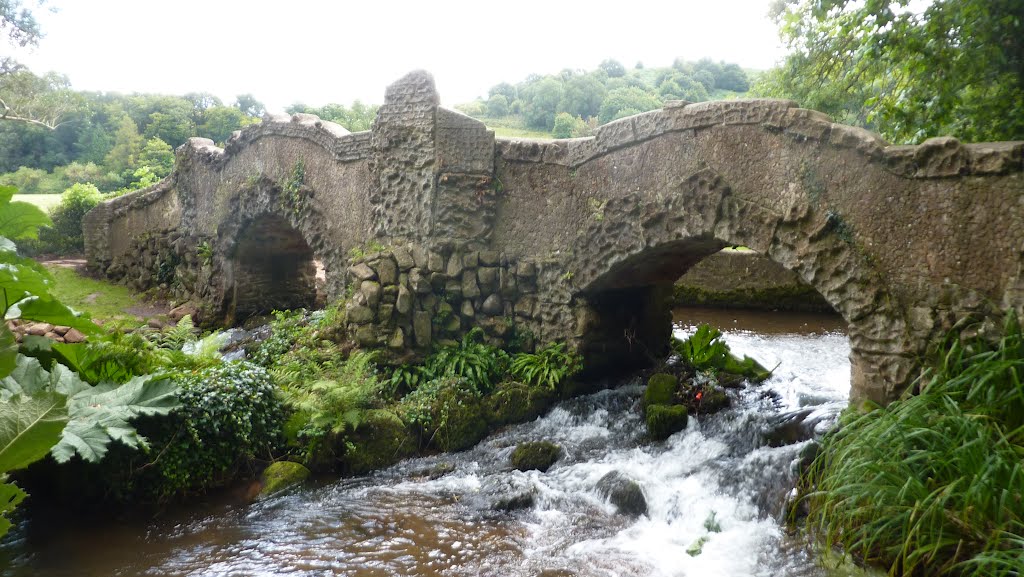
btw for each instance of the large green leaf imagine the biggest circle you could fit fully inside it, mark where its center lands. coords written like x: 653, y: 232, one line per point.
x: 10, y: 496
x: 29, y: 427
x: 102, y: 414
x: 8, y: 350
x: 51, y: 311
x: 29, y: 377
x: 21, y: 220
x: 7, y: 193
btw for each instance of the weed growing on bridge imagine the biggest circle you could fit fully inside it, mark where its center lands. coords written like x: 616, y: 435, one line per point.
x: 933, y: 484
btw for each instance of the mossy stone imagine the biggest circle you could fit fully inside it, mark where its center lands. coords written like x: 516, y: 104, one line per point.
x: 661, y: 390
x: 380, y: 440
x: 281, y: 475
x: 664, y: 420
x: 535, y: 455
x: 513, y: 402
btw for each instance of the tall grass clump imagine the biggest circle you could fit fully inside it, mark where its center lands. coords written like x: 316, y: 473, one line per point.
x: 933, y: 484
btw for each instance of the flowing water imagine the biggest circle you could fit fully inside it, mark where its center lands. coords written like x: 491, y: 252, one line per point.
x: 437, y: 515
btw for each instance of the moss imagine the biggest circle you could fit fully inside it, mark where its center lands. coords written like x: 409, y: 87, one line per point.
x: 514, y: 402
x: 281, y: 475
x: 380, y: 440
x: 464, y: 426
x: 535, y: 455
x: 664, y: 420
x: 661, y: 390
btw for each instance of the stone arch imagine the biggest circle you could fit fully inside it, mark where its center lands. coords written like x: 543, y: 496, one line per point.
x: 622, y: 276
x: 266, y: 245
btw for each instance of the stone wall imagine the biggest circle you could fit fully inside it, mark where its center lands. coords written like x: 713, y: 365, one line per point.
x: 409, y: 298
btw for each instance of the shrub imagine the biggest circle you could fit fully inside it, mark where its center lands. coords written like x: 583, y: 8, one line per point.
x: 65, y: 235
x: 933, y: 484
x: 447, y: 413
x: 229, y: 416
x: 478, y: 363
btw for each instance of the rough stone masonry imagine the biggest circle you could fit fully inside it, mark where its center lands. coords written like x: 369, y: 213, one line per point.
x: 431, y: 226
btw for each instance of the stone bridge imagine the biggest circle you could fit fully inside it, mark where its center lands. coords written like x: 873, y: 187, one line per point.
x: 429, y: 225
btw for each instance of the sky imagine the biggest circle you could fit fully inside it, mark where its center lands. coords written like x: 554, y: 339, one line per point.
x: 320, y: 51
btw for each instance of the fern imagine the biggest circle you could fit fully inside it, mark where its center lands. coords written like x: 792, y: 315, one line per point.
x: 547, y: 367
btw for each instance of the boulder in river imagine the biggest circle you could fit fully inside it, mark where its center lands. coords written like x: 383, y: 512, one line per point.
x: 281, y: 475
x: 624, y: 493
x: 663, y: 421
x: 535, y: 455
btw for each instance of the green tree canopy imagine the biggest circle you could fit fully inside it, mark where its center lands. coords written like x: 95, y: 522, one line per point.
x: 954, y: 67
x: 631, y: 98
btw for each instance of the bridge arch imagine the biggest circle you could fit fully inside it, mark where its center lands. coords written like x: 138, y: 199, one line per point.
x: 267, y: 248
x: 642, y: 243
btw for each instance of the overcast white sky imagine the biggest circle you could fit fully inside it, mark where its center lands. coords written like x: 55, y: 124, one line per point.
x: 319, y: 51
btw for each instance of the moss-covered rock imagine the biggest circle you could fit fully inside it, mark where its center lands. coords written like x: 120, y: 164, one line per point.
x: 448, y: 414
x: 661, y: 390
x: 281, y: 475
x: 623, y: 492
x: 535, y: 455
x: 514, y: 402
x: 380, y: 440
x: 664, y: 420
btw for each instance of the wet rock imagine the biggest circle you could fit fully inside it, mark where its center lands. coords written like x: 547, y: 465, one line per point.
x: 380, y: 440
x: 661, y: 390
x: 535, y: 456
x: 665, y: 420
x: 281, y: 475
x: 624, y: 493
x: 697, y: 547
x: 513, y: 402
x: 515, y: 502
x: 791, y: 428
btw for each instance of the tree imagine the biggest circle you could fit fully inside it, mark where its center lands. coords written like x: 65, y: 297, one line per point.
x: 582, y: 96
x: 955, y: 67
x: 158, y: 156
x: 505, y: 89
x: 613, y: 68
x: 631, y: 98
x: 542, y: 101
x: 568, y: 126
x: 497, y: 106
x: 249, y: 106
x: 20, y: 28
x: 40, y: 100
x: 127, y: 147
x: 732, y: 78
x: 220, y: 121
x: 681, y: 86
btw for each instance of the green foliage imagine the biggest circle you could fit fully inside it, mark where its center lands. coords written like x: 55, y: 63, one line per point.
x: 336, y: 404
x: 229, y: 415
x: 933, y: 484
x: 447, y: 413
x: 480, y: 364
x: 953, y: 67
x: 286, y: 328
x: 29, y: 427
x: 548, y: 367
x: 356, y: 118
x: 705, y: 351
x: 497, y: 106
x: 631, y: 98
x: 65, y: 235
x: 568, y: 126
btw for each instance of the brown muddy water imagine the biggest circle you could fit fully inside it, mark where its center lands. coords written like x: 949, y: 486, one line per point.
x: 407, y: 521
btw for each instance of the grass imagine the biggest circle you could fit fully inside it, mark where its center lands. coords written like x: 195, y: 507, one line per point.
x: 43, y: 201
x: 104, y: 301
x: 513, y: 126
x: 933, y: 484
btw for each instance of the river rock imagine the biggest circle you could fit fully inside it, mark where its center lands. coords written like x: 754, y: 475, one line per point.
x: 535, y: 455
x: 624, y: 493
x: 281, y: 475
x: 74, y: 336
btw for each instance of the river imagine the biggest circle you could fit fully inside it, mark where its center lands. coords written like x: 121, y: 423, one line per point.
x: 435, y: 516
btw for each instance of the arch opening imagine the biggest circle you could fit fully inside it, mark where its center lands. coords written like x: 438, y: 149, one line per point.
x: 273, y: 269
x: 629, y: 320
